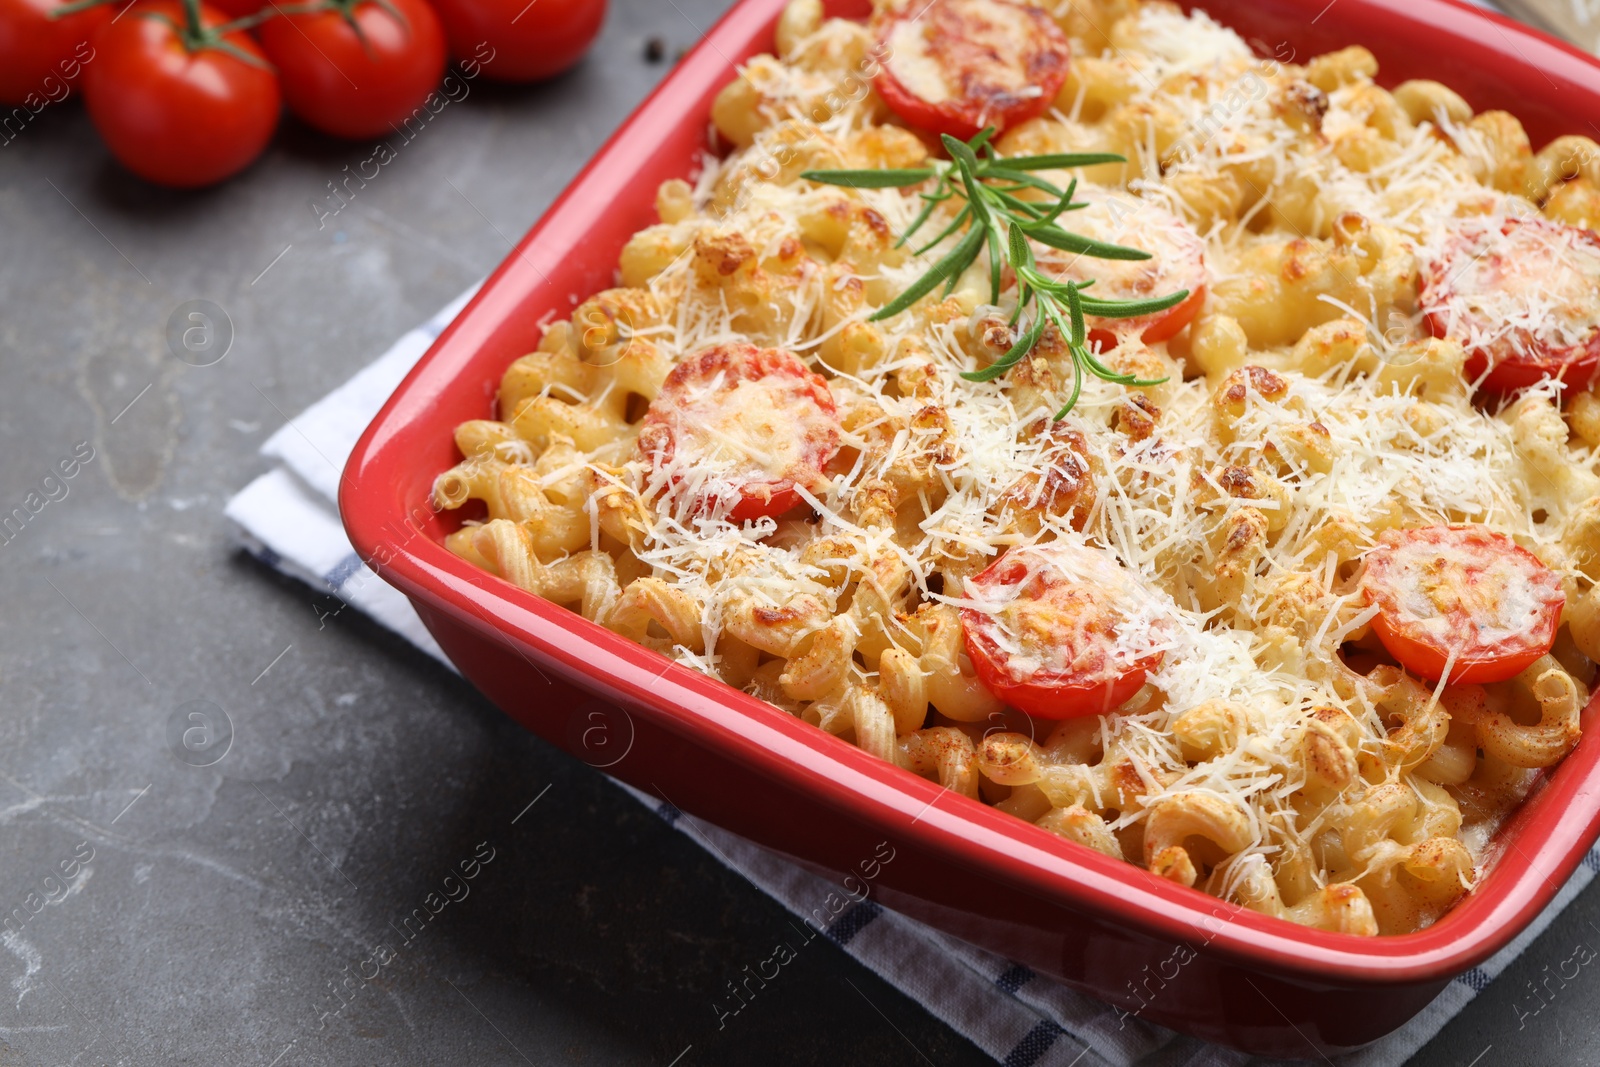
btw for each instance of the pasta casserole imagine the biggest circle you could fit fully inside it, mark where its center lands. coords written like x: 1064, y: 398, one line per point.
x: 1184, y: 446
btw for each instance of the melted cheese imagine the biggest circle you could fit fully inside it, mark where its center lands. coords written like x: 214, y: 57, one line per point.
x: 1526, y: 285
x: 1176, y: 251
x: 994, y: 34
x: 921, y: 73
x: 1441, y: 587
x: 739, y: 431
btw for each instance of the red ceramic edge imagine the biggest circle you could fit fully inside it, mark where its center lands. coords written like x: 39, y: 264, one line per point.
x: 1541, y: 845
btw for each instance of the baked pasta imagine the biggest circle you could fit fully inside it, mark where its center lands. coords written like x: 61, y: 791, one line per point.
x: 1278, y: 582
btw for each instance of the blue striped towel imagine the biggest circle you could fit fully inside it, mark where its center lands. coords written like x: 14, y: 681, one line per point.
x: 287, y: 519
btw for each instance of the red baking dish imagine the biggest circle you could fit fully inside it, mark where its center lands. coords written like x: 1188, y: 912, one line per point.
x: 1170, y: 954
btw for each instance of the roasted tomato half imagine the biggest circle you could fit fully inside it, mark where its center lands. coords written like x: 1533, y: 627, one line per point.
x: 1519, y: 294
x: 1463, y: 599
x: 741, y: 427
x: 1060, y: 631
x: 957, y: 66
x: 1177, y: 262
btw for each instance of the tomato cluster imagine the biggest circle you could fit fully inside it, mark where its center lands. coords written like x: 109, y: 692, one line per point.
x: 188, y: 92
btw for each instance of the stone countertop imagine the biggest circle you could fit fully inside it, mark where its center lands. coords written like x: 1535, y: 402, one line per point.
x: 224, y: 904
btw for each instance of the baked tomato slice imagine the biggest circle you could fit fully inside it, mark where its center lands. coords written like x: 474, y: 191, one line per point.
x: 1177, y: 262
x: 1519, y: 295
x: 741, y: 427
x: 1044, y: 629
x: 1463, y: 599
x: 957, y: 66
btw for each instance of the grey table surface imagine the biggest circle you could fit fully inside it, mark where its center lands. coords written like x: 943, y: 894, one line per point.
x: 224, y: 904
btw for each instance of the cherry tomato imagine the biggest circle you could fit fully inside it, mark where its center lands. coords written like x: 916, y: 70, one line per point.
x: 519, y: 41
x: 956, y: 66
x: 1177, y: 261
x: 1519, y: 294
x: 357, y: 84
x: 1463, y: 596
x: 1044, y: 637
x: 39, y: 55
x: 170, y: 108
x: 742, y: 424
x: 238, y: 9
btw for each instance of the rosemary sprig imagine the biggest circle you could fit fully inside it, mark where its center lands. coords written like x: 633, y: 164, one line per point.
x: 996, y: 218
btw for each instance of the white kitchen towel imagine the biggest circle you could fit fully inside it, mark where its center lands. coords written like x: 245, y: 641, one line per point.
x: 287, y: 519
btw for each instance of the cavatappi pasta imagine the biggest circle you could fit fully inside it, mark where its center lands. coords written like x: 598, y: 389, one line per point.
x: 724, y: 460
